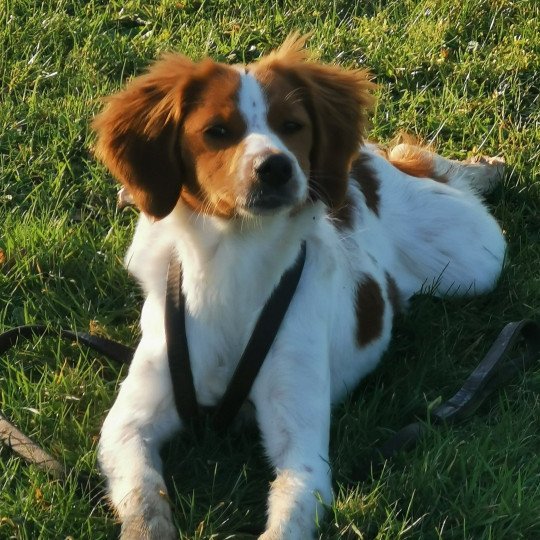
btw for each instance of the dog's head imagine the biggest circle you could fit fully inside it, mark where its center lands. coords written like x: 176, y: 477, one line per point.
x: 235, y: 140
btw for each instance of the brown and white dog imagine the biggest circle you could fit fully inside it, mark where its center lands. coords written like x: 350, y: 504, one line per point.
x: 233, y: 167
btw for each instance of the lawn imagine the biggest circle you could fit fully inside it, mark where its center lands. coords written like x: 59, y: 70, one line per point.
x: 461, y: 73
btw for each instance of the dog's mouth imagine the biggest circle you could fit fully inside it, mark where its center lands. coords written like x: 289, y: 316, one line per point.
x: 264, y: 201
x: 275, y: 184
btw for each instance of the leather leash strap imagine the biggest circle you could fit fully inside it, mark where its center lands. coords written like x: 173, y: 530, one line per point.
x: 494, y: 371
x: 109, y: 348
x: 262, y: 337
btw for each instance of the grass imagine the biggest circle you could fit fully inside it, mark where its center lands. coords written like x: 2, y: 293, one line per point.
x: 463, y: 73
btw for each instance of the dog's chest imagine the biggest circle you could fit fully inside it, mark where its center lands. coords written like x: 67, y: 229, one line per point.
x: 216, y: 344
x: 218, y: 326
x: 225, y: 295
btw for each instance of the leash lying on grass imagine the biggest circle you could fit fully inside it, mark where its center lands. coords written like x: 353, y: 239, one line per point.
x: 494, y: 371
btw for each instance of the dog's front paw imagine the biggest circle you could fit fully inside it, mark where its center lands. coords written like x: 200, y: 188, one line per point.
x: 156, y: 528
x: 146, y: 515
x: 287, y: 533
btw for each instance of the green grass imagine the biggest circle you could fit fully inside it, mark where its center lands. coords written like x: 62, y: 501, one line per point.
x: 462, y: 73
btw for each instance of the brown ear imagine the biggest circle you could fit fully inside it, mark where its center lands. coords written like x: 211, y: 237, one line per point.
x: 337, y: 101
x: 137, y: 135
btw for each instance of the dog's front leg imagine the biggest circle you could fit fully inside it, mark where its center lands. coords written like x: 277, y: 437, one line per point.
x: 293, y: 411
x: 142, y: 418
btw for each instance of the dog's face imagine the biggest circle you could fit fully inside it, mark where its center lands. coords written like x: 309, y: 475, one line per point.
x: 235, y: 140
x: 240, y: 152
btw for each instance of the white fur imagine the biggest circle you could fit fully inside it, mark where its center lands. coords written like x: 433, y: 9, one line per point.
x: 427, y: 236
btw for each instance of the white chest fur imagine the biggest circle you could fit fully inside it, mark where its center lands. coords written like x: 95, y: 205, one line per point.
x: 227, y: 278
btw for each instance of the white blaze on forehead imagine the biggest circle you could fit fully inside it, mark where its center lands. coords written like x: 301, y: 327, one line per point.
x: 252, y: 104
x: 253, y: 107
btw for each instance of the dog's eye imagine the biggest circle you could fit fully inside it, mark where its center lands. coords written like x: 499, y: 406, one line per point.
x: 290, y: 126
x: 216, y: 132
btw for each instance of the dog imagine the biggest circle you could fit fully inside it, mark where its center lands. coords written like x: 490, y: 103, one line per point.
x: 233, y: 168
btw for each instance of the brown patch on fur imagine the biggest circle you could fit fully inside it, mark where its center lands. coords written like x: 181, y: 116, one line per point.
x: 393, y: 294
x: 142, y: 135
x: 137, y: 134
x: 369, y: 311
x: 336, y: 101
x: 367, y: 181
x: 212, y: 162
x: 413, y: 162
x: 414, y: 158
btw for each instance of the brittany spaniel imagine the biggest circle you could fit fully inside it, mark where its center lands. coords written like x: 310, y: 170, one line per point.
x: 233, y: 168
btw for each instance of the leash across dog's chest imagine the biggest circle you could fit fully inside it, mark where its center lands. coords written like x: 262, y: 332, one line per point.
x: 263, y: 335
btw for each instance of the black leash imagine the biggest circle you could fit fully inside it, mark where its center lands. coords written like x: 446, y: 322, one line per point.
x: 111, y: 349
x: 493, y: 372
x: 253, y: 356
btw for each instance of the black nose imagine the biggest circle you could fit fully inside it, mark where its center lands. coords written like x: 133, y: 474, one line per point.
x: 274, y: 170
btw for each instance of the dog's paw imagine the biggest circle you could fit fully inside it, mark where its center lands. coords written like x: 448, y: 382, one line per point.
x: 155, y: 528
x: 485, y: 172
x: 146, y: 514
x: 287, y: 533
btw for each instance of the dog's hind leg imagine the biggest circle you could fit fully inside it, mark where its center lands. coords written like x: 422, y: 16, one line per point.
x: 445, y: 240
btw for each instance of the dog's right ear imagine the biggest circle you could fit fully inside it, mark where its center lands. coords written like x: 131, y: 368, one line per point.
x: 138, y: 135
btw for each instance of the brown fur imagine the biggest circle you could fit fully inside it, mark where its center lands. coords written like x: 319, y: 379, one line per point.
x: 413, y: 162
x: 369, y: 311
x: 202, y: 157
x: 414, y: 158
x: 152, y: 135
x: 367, y: 181
x: 143, y: 132
x: 136, y: 134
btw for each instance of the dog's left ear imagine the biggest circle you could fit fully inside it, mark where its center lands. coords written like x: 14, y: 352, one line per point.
x: 338, y: 101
